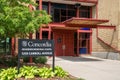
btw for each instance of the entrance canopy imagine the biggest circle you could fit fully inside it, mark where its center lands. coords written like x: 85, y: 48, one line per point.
x: 89, y: 22
x: 77, y: 23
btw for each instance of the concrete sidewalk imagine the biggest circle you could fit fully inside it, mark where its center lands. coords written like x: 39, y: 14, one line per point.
x: 89, y: 68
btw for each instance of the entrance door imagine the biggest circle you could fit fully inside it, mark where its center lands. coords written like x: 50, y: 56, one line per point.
x: 84, y: 43
x: 58, y: 38
x: 64, y: 43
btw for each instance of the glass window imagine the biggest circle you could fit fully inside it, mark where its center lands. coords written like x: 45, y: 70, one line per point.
x: 45, y: 6
x: 85, y: 12
x: 5, y: 45
x: 62, y: 12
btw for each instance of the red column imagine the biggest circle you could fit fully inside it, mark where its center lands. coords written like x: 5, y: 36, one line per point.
x: 40, y: 29
x: 40, y: 35
x: 30, y: 35
x: 77, y: 12
x: 49, y: 33
x: 13, y: 46
x: 40, y: 4
x: 90, y: 43
x: 77, y: 42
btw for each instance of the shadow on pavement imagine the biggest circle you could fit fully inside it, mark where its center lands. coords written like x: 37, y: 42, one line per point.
x: 79, y: 59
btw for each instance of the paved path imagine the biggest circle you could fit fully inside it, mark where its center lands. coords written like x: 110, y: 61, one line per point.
x: 90, y: 68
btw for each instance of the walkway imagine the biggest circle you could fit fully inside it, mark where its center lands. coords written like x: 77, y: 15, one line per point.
x: 90, y: 68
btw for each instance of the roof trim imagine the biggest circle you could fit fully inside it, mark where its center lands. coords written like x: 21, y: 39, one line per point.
x: 84, y: 21
x: 72, y: 2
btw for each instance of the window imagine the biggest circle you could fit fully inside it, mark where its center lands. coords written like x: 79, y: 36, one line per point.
x: 5, y: 46
x: 62, y: 12
x: 85, y: 12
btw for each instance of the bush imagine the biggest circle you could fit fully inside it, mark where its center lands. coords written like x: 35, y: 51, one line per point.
x: 41, y: 59
x: 27, y: 59
x: 30, y: 72
x: 12, y: 61
x: 8, y: 74
x: 9, y: 61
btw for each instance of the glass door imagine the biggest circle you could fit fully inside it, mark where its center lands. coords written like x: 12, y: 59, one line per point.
x: 5, y: 44
x: 84, y: 43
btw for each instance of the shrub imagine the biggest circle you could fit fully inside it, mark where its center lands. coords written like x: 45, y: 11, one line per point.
x: 41, y: 59
x: 60, y: 72
x: 12, y: 61
x: 8, y: 61
x: 28, y: 72
x: 27, y: 59
x: 8, y: 74
x: 31, y: 72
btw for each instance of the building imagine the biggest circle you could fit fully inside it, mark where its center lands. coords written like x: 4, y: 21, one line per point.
x: 81, y: 26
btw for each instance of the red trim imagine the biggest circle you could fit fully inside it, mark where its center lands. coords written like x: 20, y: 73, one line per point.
x: 77, y: 43
x: 90, y: 43
x: 97, y: 11
x: 87, y: 1
x: 85, y: 31
x: 56, y: 25
x: 107, y: 27
x: 45, y: 29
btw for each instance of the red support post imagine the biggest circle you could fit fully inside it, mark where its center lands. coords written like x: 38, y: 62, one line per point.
x: 49, y: 33
x: 13, y: 46
x: 40, y: 4
x: 90, y: 43
x: 30, y: 37
x: 77, y: 43
x: 77, y: 12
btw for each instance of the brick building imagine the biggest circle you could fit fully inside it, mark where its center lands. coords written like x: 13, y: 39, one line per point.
x: 81, y: 26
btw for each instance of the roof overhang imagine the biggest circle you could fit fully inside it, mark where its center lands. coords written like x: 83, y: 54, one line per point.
x: 88, y: 22
x: 77, y: 23
x: 73, y: 2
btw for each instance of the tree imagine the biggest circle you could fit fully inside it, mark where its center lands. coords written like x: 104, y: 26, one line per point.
x: 17, y: 19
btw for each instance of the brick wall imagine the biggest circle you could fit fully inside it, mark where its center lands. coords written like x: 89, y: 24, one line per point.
x: 107, y: 9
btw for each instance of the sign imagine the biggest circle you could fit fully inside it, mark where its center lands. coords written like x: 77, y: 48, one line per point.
x: 34, y: 47
x: 30, y: 47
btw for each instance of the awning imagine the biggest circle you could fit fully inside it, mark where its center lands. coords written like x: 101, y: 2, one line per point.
x: 84, y: 21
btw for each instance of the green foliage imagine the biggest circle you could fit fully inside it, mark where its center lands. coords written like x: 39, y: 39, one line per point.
x: 46, y: 72
x: 41, y: 59
x: 8, y: 74
x: 31, y: 72
x: 80, y: 79
x: 8, y: 61
x: 60, y: 72
x: 17, y: 19
x: 11, y: 62
x: 27, y: 59
x: 28, y: 72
